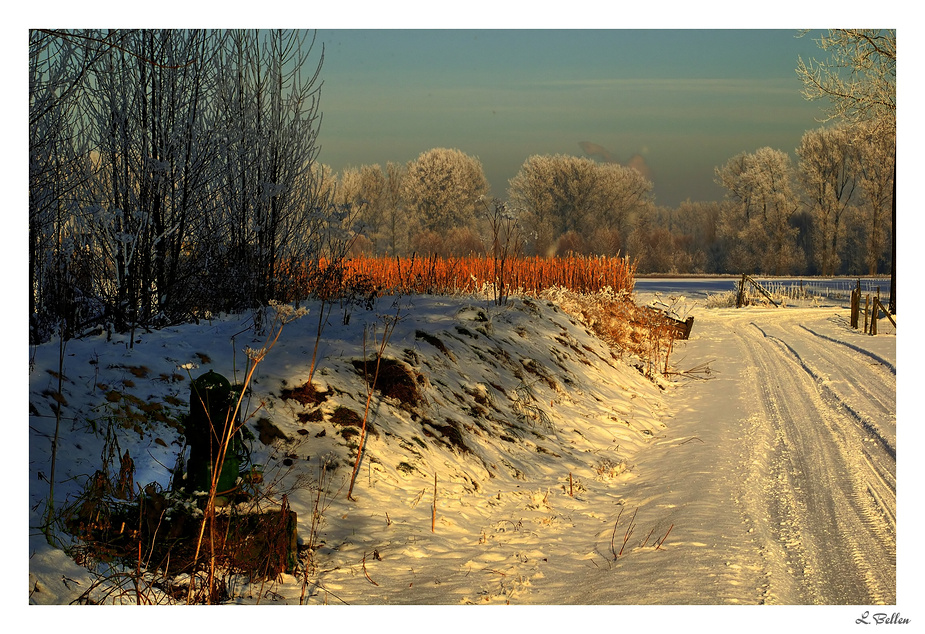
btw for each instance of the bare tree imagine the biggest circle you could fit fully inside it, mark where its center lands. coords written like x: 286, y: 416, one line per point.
x: 165, y: 162
x: 62, y: 280
x: 150, y: 117
x: 859, y: 81
x: 268, y: 100
x: 505, y: 244
x: 396, y: 230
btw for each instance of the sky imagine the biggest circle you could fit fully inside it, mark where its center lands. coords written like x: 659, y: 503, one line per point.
x: 675, y: 103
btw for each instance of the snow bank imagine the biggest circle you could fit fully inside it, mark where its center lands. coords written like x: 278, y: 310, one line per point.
x: 522, y: 414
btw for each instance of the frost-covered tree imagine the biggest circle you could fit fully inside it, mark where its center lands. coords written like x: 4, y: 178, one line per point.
x: 859, y: 76
x: 171, y: 171
x: 65, y: 270
x: 827, y: 164
x: 558, y: 193
x: 759, y: 223
x: 858, y: 79
x: 877, y: 185
x: 653, y: 246
x: 623, y: 193
x: 268, y: 117
x: 442, y: 188
x: 701, y: 221
x: 574, y: 196
x: 364, y: 189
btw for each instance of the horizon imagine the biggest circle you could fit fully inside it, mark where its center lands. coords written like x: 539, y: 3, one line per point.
x: 676, y: 104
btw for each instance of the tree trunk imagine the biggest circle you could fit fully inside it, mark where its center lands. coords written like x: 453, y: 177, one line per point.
x: 893, y: 255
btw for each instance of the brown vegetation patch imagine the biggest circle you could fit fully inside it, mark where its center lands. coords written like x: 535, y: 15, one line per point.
x: 258, y: 545
x: 465, y: 331
x: 538, y: 370
x: 55, y: 396
x: 314, y: 416
x: 173, y: 400
x: 436, y: 342
x: 349, y: 432
x: 479, y: 396
x: 449, y: 434
x: 267, y: 432
x: 347, y: 418
x: 114, y: 522
x: 58, y: 376
x: 394, y: 379
x: 307, y: 394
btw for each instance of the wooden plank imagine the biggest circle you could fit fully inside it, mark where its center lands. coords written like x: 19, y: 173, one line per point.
x: 879, y: 306
x: 761, y: 290
x: 682, y: 329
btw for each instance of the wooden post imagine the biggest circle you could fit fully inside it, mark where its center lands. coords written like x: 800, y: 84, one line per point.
x: 876, y: 313
x: 740, y: 298
x: 762, y: 290
x: 866, y: 311
x: 855, y: 305
x: 854, y: 309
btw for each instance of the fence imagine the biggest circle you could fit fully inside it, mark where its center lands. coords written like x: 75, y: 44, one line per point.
x: 803, y: 291
x: 742, y: 294
x: 872, y: 310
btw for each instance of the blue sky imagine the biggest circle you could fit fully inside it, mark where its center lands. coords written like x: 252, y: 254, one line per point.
x: 682, y: 102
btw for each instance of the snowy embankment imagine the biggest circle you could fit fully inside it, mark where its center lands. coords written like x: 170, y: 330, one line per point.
x: 562, y: 474
x: 528, y: 421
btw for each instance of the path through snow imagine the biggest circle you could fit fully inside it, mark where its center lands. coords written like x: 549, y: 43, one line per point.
x: 801, y: 424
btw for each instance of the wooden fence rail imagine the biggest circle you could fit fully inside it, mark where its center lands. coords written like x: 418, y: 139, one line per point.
x: 872, y: 310
x: 742, y: 297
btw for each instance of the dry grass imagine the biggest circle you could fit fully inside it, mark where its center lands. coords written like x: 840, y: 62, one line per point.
x: 635, y: 330
x: 371, y: 276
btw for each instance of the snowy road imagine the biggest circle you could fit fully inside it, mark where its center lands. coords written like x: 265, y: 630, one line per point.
x: 813, y: 406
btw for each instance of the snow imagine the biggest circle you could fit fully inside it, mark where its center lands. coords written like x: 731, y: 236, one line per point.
x: 764, y: 475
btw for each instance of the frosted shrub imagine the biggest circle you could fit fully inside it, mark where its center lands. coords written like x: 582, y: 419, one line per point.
x: 725, y: 299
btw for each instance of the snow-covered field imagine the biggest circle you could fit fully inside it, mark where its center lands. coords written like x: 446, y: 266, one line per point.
x: 764, y: 475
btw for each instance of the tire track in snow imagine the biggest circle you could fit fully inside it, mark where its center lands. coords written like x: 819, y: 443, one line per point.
x: 826, y: 541
x: 889, y: 366
x: 866, y: 402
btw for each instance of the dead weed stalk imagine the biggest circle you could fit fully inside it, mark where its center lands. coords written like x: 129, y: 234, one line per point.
x: 389, y: 323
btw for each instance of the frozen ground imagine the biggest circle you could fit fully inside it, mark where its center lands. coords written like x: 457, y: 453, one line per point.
x: 764, y: 475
